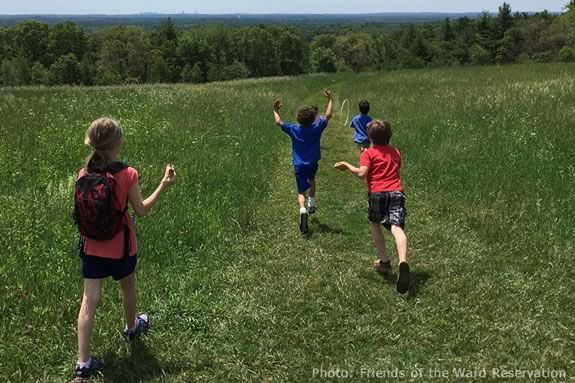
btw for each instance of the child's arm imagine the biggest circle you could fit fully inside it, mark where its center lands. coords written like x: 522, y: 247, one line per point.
x: 277, y: 106
x: 142, y: 207
x: 329, y: 110
x: 360, y: 172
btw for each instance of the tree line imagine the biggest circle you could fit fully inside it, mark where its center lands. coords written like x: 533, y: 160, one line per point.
x: 34, y: 53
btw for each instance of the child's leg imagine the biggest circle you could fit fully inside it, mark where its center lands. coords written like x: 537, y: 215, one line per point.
x: 400, y: 242
x: 402, y: 283
x: 311, y: 200
x: 379, y: 241
x: 312, y: 188
x: 128, y: 286
x: 301, y: 200
x: 90, y: 300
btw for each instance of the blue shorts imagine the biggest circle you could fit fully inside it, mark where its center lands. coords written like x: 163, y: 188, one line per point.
x: 304, y: 173
x: 99, y: 267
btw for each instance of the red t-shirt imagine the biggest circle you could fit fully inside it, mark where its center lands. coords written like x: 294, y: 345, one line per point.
x: 114, y: 248
x: 383, y: 162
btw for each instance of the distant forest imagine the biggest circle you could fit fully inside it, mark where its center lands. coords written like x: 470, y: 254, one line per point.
x: 35, y: 52
x: 183, y: 20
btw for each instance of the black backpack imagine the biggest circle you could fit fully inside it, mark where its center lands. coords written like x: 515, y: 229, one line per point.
x: 97, y: 213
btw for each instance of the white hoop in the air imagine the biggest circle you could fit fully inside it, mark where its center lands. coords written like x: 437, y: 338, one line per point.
x: 345, y: 105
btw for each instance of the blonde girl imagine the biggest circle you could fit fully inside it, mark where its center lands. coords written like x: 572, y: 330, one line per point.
x: 115, y: 257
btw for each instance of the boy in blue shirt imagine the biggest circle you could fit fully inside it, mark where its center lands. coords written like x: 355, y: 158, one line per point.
x: 360, y: 123
x: 305, y: 138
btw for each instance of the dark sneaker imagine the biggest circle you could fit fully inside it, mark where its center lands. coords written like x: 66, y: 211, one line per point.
x: 402, y: 284
x: 312, y: 209
x: 303, y: 223
x: 142, y: 325
x: 382, y: 267
x: 82, y: 374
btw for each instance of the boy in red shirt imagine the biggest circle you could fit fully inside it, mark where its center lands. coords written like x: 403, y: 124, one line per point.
x: 380, y: 166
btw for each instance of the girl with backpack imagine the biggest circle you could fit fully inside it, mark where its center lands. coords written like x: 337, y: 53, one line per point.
x: 108, y: 245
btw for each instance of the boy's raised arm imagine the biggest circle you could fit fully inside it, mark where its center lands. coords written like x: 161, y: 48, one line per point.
x: 360, y: 172
x: 329, y: 110
x: 277, y: 106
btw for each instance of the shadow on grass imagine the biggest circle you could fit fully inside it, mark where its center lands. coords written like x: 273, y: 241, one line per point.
x: 416, y: 282
x: 140, y: 365
x: 315, y: 226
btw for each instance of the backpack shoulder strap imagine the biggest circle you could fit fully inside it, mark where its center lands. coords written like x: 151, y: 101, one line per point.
x: 116, y: 167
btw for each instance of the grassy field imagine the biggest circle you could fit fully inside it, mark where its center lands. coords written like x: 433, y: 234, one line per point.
x: 237, y: 294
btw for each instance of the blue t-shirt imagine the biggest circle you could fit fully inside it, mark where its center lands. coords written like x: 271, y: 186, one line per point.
x: 359, y: 123
x: 305, y: 141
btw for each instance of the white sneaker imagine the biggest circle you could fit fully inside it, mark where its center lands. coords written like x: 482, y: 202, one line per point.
x: 142, y: 325
x: 311, y: 206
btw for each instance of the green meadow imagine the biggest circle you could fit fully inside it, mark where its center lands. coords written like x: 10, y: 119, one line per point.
x: 235, y: 293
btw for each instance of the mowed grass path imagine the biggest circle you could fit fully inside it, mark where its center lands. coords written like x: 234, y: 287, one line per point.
x: 237, y: 294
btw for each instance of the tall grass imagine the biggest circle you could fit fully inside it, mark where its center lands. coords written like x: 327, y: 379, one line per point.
x: 236, y: 293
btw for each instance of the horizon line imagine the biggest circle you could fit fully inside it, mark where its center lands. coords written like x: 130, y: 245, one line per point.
x: 276, y: 13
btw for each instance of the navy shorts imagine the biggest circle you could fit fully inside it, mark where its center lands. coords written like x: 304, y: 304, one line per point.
x: 387, y: 208
x: 100, y: 267
x: 304, y: 173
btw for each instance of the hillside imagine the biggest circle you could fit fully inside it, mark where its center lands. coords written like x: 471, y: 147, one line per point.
x: 237, y: 294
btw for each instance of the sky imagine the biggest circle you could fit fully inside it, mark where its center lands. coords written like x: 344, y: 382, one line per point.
x: 12, y: 7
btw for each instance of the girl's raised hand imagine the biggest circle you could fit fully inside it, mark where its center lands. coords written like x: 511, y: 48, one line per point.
x: 169, y: 176
x: 340, y: 165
